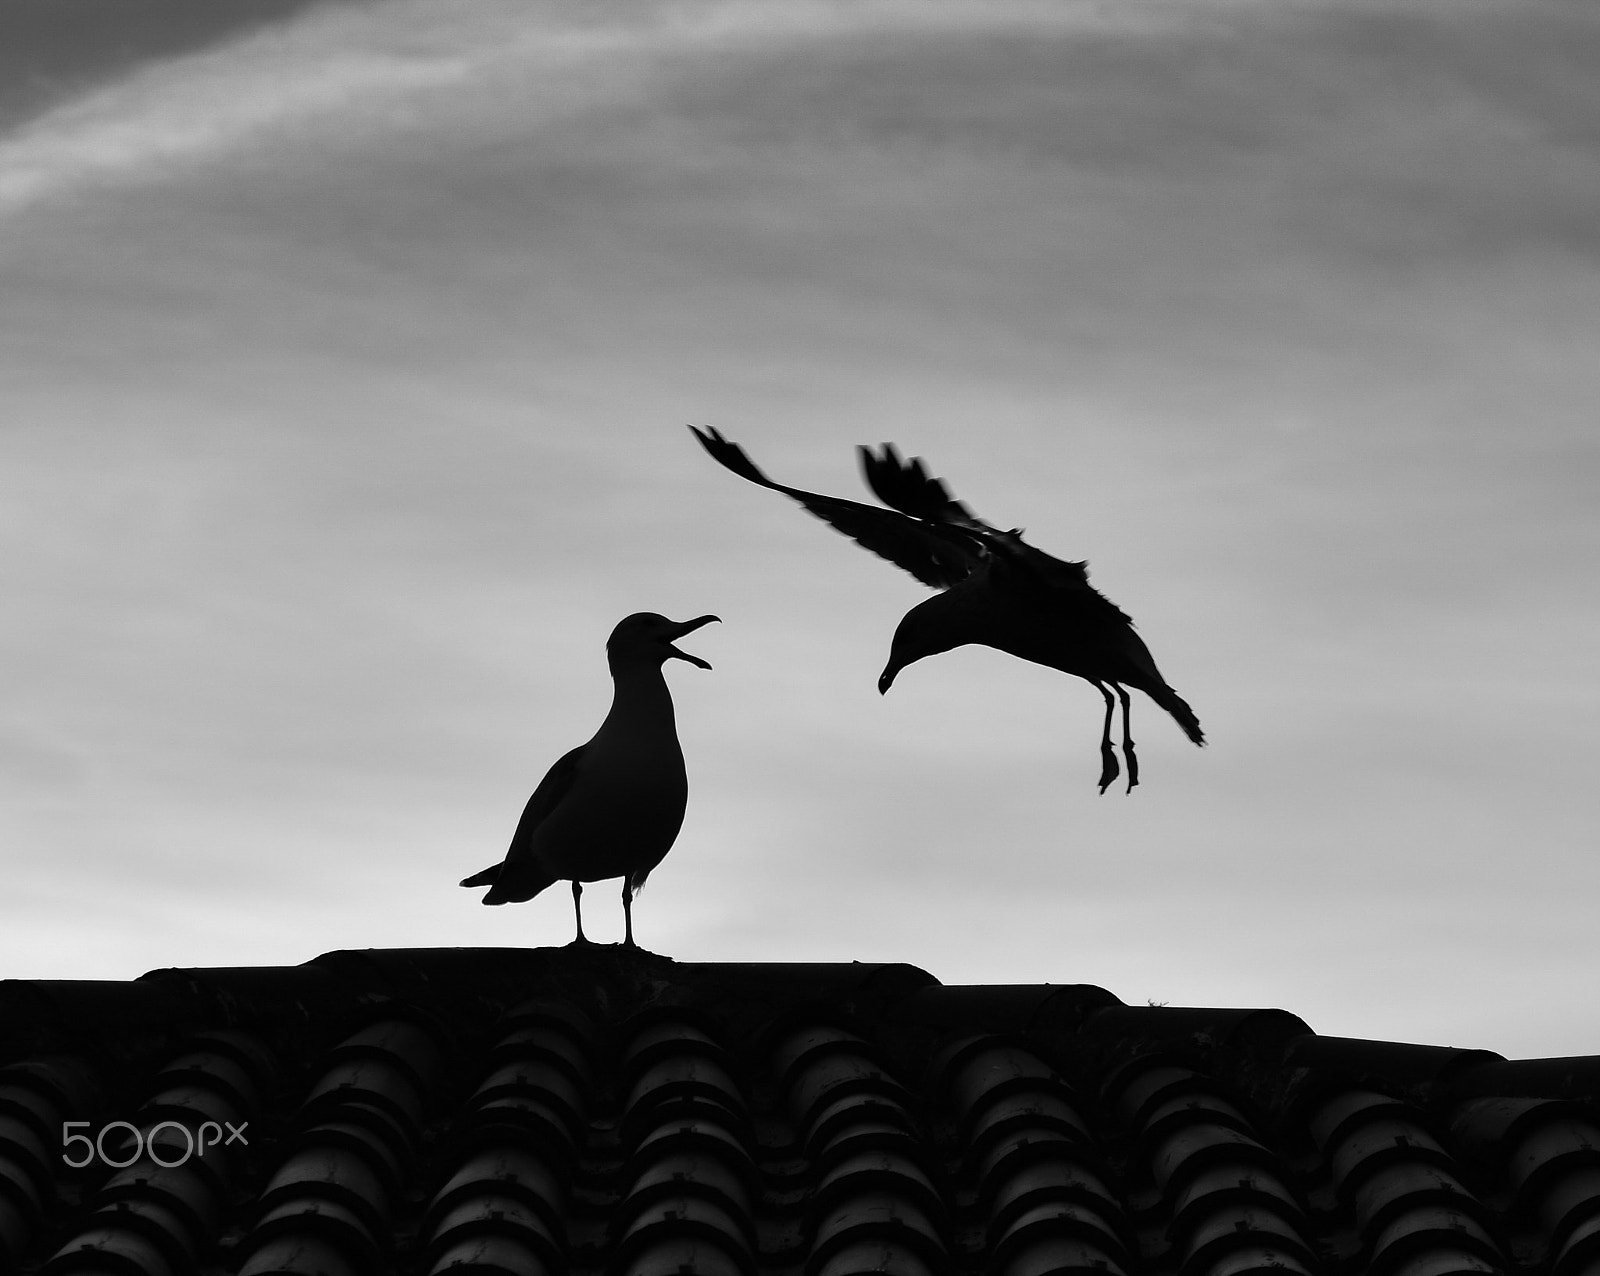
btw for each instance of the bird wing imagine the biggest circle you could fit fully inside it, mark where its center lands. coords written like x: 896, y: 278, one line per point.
x: 937, y: 552
x: 908, y: 487
x: 1017, y: 561
x: 555, y: 786
x: 557, y: 783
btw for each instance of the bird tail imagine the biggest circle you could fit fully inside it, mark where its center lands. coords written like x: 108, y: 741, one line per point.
x: 1179, y: 708
x: 523, y: 882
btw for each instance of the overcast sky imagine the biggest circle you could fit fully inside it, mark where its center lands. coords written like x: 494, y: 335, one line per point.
x: 348, y: 350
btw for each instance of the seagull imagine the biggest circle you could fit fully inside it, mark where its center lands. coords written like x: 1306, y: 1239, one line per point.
x: 998, y: 591
x: 611, y: 807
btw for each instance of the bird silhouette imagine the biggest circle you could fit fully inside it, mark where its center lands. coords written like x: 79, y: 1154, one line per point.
x: 998, y: 591
x: 611, y: 807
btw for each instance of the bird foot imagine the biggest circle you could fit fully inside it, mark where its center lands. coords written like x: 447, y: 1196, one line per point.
x: 1109, y: 770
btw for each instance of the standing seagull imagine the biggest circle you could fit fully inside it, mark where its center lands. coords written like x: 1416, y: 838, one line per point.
x: 612, y: 807
x: 998, y: 590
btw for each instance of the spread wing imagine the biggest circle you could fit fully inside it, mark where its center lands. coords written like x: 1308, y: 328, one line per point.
x: 1019, y: 564
x: 938, y: 552
x: 908, y: 487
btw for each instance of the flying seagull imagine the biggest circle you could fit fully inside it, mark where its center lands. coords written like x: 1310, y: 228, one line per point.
x: 998, y: 590
x: 612, y: 807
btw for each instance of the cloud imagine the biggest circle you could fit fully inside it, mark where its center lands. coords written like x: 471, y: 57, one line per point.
x: 1469, y: 140
x: 182, y: 111
x: 183, y: 83
x: 54, y: 50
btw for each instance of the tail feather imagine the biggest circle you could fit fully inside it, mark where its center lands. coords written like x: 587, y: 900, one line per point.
x: 517, y: 880
x: 1179, y: 708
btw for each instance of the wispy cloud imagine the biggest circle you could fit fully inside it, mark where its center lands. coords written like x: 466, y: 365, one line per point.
x: 350, y: 69
x: 171, y: 113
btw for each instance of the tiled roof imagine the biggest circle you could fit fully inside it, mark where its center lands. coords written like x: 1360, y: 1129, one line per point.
x: 481, y: 1112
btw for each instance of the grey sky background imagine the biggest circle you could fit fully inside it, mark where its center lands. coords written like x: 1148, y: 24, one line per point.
x: 349, y: 351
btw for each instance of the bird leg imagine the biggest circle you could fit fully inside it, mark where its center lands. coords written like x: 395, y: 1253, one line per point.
x: 1109, y: 770
x: 577, y: 909
x: 1127, y: 739
x: 627, y: 914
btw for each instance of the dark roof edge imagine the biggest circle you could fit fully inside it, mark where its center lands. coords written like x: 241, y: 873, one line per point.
x: 472, y: 987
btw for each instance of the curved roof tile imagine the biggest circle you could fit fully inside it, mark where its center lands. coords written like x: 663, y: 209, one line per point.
x: 482, y: 1112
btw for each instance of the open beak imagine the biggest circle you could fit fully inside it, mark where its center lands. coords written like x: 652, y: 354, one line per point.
x: 688, y: 627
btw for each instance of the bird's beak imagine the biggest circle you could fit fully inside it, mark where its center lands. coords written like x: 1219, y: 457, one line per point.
x: 891, y: 671
x: 687, y: 627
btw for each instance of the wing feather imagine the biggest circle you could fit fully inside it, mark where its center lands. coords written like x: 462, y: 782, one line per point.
x: 939, y: 554
x: 908, y: 487
x: 555, y: 786
x: 557, y: 783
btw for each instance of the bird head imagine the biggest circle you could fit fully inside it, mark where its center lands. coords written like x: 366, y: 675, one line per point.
x: 645, y: 638
x: 926, y: 630
x: 901, y: 654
